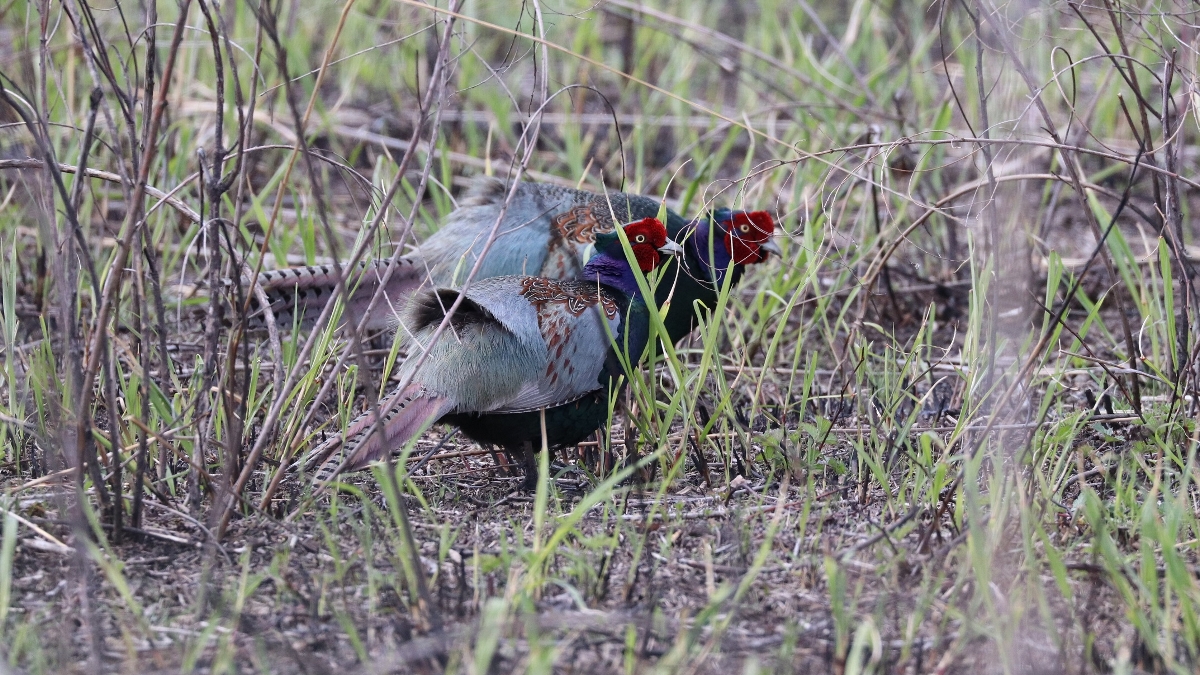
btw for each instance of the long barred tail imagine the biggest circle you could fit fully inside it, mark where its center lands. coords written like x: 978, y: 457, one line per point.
x: 304, y: 291
x: 406, y: 413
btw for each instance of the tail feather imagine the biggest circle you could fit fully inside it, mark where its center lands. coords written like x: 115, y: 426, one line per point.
x: 406, y: 413
x: 304, y: 291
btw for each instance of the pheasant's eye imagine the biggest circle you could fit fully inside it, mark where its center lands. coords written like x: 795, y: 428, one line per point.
x: 744, y: 228
x: 641, y: 239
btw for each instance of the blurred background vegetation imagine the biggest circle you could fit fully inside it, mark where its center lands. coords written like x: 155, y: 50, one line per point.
x: 953, y: 430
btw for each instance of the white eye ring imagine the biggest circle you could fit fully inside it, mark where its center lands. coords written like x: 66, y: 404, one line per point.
x: 744, y: 228
x: 641, y: 238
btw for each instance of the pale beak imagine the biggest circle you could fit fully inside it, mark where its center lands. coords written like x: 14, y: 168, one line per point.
x: 671, y: 248
x: 769, y: 246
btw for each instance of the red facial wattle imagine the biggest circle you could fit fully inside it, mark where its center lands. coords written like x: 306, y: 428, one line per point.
x: 745, y: 233
x: 646, y: 236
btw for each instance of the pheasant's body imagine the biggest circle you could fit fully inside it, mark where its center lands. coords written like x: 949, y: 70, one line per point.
x: 515, y: 346
x: 546, y: 231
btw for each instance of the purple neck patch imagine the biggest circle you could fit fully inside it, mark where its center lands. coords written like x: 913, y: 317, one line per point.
x: 707, y: 252
x: 611, y: 271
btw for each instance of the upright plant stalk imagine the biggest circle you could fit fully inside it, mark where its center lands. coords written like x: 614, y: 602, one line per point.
x: 216, y: 184
x: 1180, y: 367
x: 1075, y: 173
x: 991, y: 219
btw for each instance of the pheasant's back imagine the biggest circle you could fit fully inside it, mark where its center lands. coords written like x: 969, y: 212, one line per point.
x: 545, y: 231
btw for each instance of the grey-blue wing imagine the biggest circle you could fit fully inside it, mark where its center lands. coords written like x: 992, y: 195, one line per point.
x: 518, y: 343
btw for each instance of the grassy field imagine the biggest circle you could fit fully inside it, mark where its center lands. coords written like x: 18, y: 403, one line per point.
x: 953, y: 430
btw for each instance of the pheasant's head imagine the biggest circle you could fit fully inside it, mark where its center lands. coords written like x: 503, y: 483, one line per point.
x: 648, y: 240
x: 746, y: 235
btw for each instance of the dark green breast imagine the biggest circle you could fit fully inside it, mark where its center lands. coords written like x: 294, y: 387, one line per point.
x: 681, y: 317
x: 566, y: 425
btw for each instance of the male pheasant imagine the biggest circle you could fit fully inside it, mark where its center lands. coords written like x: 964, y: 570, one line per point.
x: 520, y: 345
x: 546, y: 231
